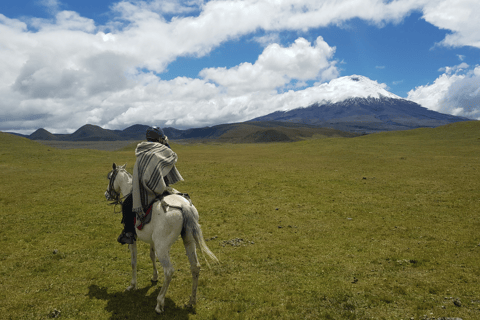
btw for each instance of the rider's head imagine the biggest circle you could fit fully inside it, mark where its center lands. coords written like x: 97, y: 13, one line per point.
x: 156, y: 134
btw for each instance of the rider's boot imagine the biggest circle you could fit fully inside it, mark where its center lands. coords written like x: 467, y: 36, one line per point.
x: 126, y: 237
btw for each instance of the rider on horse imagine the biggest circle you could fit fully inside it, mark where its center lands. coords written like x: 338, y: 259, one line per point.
x: 153, y: 172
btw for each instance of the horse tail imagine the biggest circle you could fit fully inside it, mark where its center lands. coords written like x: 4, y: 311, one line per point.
x: 190, y: 224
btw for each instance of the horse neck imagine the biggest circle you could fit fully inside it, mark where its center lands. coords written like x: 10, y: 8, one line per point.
x: 125, y: 182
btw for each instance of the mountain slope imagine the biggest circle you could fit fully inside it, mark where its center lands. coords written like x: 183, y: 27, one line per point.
x: 363, y: 106
x: 275, y: 131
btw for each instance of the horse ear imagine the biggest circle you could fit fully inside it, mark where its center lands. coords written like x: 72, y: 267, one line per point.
x: 123, y: 167
x: 114, y: 166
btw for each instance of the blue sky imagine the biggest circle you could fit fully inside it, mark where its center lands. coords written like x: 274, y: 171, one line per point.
x: 195, y: 63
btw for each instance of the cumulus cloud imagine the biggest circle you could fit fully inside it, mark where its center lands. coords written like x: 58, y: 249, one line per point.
x: 110, y: 75
x: 457, y: 92
x: 458, y: 16
x: 455, y: 69
x: 276, y: 67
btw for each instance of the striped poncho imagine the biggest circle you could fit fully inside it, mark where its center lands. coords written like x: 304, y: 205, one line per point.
x: 154, y: 162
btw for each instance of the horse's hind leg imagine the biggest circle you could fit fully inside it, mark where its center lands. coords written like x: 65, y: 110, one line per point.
x: 168, y: 270
x: 133, y: 254
x: 190, y: 248
x: 154, y: 258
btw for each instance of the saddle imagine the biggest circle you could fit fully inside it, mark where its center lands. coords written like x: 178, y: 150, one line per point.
x: 166, y: 202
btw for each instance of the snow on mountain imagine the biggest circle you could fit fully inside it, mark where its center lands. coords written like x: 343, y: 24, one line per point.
x: 336, y: 90
x: 353, y: 86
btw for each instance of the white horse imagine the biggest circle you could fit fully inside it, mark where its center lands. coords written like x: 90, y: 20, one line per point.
x: 162, y: 231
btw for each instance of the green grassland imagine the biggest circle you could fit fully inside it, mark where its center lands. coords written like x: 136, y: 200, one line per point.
x: 383, y: 226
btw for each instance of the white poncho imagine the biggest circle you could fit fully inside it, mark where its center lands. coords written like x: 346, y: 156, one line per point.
x: 154, y: 162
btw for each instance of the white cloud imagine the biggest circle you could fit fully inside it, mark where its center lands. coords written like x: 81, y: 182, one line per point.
x: 458, y: 68
x: 276, y: 67
x: 476, y: 71
x: 458, y: 16
x: 64, y: 21
x: 455, y: 92
x: 268, y: 39
x: 430, y: 95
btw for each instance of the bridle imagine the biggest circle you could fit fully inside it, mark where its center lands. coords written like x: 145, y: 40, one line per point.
x: 111, y: 194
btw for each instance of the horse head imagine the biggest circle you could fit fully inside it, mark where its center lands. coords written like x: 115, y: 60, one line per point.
x: 119, y: 183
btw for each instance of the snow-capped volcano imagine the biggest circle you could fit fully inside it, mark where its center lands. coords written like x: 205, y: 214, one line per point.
x: 353, y: 86
x: 356, y: 103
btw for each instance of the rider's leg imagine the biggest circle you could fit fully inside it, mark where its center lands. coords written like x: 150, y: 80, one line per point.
x: 128, y: 220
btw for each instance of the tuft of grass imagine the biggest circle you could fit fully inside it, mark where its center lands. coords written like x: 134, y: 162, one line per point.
x: 383, y: 226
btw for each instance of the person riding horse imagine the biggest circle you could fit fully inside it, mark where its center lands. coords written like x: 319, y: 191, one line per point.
x: 153, y: 172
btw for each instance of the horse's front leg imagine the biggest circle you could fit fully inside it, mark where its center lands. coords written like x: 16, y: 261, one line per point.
x: 133, y: 253
x: 154, y: 259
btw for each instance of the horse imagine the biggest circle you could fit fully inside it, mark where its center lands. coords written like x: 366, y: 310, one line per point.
x: 161, y: 232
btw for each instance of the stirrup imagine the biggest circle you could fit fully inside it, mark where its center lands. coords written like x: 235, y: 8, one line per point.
x: 126, y: 238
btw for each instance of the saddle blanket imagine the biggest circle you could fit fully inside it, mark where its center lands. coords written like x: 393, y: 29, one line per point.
x: 167, y: 200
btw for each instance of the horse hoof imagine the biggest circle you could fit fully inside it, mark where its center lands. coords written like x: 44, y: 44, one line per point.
x: 131, y: 288
x: 159, y: 310
x: 192, y: 302
x: 154, y: 282
x: 190, y: 308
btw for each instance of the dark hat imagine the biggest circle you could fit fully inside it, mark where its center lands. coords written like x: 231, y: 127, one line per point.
x: 154, y: 134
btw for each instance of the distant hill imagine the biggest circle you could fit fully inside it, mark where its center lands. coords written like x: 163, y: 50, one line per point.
x: 135, y: 132
x: 86, y: 133
x: 42, y: 134
x: 268, y: 131
x: 93, y: 133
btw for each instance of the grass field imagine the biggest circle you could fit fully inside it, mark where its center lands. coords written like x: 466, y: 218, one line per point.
x: 383, y: 226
